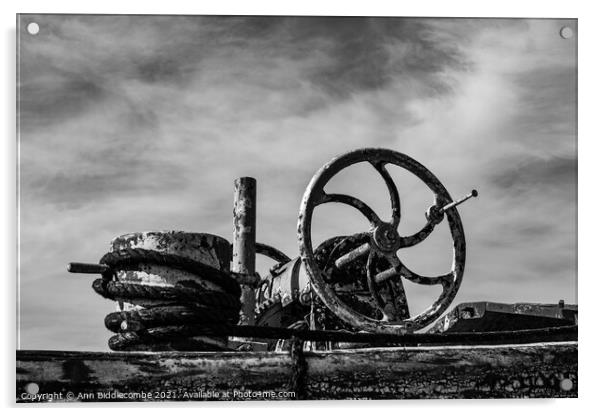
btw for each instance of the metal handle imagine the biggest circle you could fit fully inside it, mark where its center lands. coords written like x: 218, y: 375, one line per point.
x: 87, y: 268
x: 472, y: 194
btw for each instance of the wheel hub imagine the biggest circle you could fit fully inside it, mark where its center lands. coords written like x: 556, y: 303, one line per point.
x: 386, y: 238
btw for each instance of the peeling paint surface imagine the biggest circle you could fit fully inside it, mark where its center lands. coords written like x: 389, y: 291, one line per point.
x: 453, y: 372
x: 204, y: 248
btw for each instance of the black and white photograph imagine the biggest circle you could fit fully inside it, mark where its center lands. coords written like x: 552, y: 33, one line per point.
x: 252, y: 208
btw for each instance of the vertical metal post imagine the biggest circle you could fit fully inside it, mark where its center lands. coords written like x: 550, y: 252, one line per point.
x: 243, y: 242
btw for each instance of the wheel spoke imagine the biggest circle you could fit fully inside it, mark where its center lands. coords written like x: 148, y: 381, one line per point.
x: 355, y: 203
x: 393, y: 193
x: 425, y: 280
x: 418, y: 237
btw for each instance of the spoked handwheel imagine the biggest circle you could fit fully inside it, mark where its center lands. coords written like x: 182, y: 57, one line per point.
x: 382, y: 240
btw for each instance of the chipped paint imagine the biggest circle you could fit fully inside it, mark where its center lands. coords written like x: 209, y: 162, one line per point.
x: 503, y: 371
x: 204, y: 248
x: 243, y: 242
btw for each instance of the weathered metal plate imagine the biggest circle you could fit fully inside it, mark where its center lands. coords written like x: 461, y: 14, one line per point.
x: 492, y: 316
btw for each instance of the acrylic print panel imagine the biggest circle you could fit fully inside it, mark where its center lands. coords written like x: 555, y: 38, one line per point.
x: 183, y: 167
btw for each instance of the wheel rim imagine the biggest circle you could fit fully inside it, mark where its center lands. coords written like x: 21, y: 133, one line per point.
x: 315, y: 196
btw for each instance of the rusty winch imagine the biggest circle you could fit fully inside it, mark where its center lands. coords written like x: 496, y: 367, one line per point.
x: 197, y: 292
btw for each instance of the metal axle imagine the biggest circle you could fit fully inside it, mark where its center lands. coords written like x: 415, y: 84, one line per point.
x: 354, y: 254
x: 251, y: 280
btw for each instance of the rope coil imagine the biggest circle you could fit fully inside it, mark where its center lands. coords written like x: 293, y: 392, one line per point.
x: 132, y: 292
x: 184, y: 316
x: 130, y: 259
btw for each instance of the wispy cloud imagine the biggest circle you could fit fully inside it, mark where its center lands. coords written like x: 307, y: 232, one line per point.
x: 142, y: 123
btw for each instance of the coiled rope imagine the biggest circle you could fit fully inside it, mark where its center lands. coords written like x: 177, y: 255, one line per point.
x: 175, y: 315
x: 129, y: 259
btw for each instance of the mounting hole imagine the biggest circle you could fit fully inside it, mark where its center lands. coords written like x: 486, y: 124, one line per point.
x: 32, y: 388
x: 33, y: 28
x: 566, y: 384
x: 566, y: 32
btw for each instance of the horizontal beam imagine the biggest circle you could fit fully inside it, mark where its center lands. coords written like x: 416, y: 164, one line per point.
x: 530, y: 370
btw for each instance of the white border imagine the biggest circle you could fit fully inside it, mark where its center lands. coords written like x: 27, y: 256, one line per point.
x: 589, y: 172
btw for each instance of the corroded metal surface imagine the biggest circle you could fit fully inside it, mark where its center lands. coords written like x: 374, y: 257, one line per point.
x: 384, y: 242
x: 279, y: 299
x: 285, y: 296
x: 243, y: 242
x: 208, y: 249
x: 531, y: 370
x: 493, y: 316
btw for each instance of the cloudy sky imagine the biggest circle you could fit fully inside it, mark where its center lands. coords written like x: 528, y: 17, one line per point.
x: 143, y: 123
